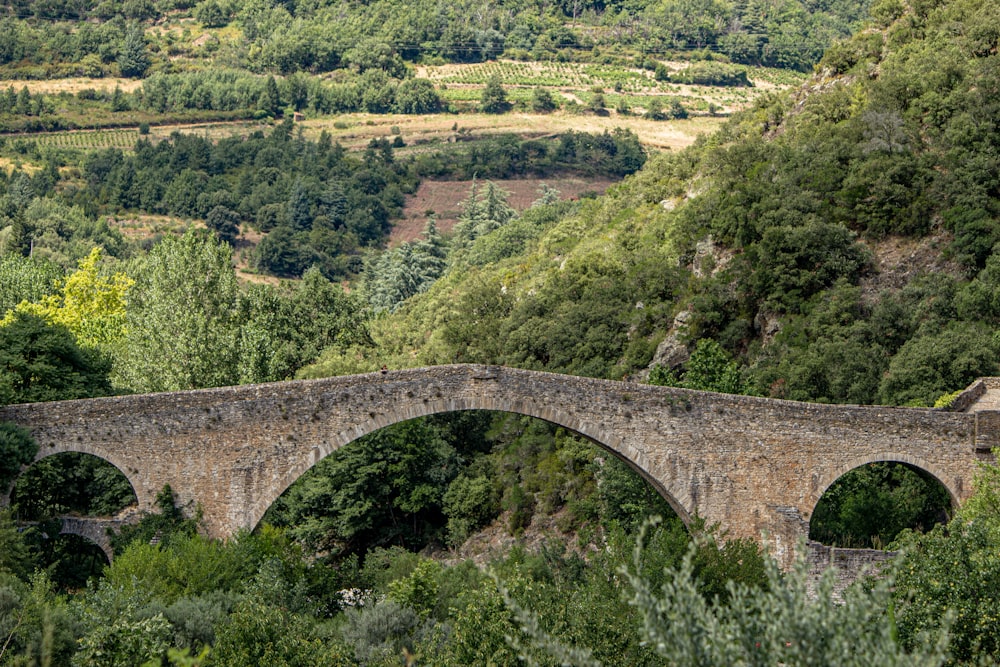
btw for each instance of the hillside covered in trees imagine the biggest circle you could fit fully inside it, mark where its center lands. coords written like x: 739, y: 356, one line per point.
x: 832, y: 244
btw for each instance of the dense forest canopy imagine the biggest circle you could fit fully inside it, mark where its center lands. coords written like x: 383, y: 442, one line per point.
x: 285, y: 37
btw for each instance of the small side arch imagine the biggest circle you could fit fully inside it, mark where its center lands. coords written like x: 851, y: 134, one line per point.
x: 142, y: 498
x: 92, y: 529
x: 632, y: 457
x: 889, y: 457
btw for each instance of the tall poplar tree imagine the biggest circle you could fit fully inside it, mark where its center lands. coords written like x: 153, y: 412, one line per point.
x: 183, y: 331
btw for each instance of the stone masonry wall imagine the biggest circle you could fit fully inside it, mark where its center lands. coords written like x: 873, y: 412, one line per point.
x: 847, y: 564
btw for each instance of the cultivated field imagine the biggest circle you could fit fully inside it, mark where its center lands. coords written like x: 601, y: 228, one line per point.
x: 576, y: 82
x: 444, y: 199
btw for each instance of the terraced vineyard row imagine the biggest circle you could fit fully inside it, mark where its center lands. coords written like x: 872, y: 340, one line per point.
x: 580, y: 76
x: 118, y: 138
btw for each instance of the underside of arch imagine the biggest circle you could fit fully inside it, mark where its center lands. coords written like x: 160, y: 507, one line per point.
x: 635, y: 459
x: 892, y: 457
x: 103, y: 544
x: 47, y: 452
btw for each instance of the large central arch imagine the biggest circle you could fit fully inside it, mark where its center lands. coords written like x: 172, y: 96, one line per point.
x: 609, y: 442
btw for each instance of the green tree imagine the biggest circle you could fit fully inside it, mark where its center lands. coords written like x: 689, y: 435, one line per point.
x: 225, y: 222
x: 387, y: 487
x: 936, y: 362
x: 17, y: 449
x: 654, y: 110
x: 182, y: 330
x: 417, y: 96
x: 90, y: 305
x: 134, y: 58
x: 948, y: 578
x: 116, y: 631
x: 282, y: 331
x: 494, y: 97
x: 709, y: 369
x: 210, y: 14
x: 542, y: 100
x: 869, y: 506
x: 24, y: 279
x: 40, y: 361
x: 270, y: 99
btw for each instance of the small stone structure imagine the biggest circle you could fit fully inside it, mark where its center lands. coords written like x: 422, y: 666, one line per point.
x: 756, y: 466
x: 847, y: 564
x: 96, y: 529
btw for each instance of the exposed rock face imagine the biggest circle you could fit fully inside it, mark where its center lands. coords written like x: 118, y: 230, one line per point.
x: 710, y: 258
x: 672, y: 352
x: 768, y: 325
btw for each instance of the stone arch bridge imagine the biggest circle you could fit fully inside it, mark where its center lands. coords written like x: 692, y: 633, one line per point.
x: 756, y: 466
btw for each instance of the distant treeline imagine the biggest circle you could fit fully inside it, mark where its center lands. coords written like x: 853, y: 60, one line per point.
x: 285, y: 37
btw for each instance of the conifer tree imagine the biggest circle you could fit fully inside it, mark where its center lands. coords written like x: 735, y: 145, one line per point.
x: 134, y: 57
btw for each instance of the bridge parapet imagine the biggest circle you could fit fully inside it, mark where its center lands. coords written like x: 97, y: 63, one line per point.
x: 982, y: 395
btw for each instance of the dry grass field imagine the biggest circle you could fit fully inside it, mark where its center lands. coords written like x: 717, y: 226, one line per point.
x: 73, y: 85
x: 356, y: 130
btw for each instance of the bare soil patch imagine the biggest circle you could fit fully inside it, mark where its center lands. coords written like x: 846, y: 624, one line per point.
x: 898, y: 260
x: 445, y: 199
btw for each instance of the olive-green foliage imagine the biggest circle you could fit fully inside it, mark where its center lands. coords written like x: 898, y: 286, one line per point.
x: 187, y: 565
x: 949, y: 577
x: 259, y: 634
x: 194, y: 618
x: 117, y: 631
x: 875, y: 503
x: 781, y: 623
x: 380, y: 633
x: 38, y: 626
x: 17, y: 448
x: 555, y: 596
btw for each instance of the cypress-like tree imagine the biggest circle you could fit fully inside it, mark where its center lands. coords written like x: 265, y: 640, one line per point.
x: 134, y: 58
